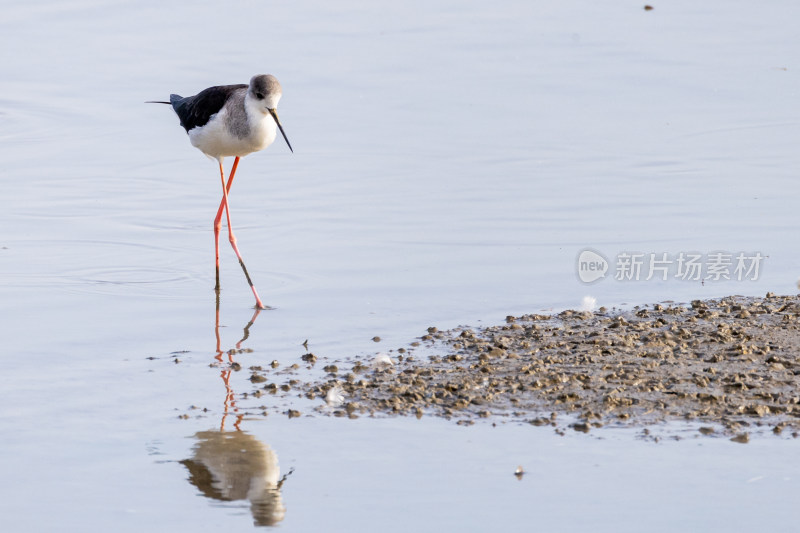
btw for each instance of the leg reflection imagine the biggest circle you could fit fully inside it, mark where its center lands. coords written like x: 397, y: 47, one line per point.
x: 230, y: 396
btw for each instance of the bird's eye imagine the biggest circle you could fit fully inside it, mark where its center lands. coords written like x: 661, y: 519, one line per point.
x: 260, y: 96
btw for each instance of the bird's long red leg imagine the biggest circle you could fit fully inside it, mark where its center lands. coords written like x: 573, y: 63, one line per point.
x: 231, y: 237
x: 218, y: 220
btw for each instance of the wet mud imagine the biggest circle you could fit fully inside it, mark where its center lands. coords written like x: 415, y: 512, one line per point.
x: 730, y: 365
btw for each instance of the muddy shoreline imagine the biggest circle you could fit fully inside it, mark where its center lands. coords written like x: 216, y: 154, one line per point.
x: 729, y: 365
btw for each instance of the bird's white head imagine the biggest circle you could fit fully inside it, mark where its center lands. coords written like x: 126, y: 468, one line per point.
x: 264, y: 93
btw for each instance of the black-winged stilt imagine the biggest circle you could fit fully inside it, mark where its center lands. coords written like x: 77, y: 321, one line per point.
x: 231, y: 121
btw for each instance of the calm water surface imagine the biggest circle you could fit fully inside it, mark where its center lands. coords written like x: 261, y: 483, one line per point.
x: 452, y: 160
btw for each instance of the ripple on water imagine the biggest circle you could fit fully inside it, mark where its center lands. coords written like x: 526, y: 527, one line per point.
x: 33, y: 124
x: 126, y: 268
x: 100, y: 267
x: 125, y: 280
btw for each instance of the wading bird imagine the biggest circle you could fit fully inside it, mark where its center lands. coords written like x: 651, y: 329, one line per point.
x: 231, y: 121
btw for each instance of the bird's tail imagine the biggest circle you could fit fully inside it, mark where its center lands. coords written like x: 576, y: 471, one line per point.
x: 157, y: 102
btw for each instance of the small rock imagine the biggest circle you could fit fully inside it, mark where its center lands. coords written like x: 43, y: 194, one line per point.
x: 741, y: 438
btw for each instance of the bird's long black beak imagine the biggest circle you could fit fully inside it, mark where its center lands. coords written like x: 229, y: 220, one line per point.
x: 278, y: 122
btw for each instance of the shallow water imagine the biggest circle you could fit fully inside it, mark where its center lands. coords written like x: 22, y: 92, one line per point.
x: 452, y: 160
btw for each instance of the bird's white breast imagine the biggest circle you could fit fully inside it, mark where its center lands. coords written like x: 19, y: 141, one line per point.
x: 217, y: 139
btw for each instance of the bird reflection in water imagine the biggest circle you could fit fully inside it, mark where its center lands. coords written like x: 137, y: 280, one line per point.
x: 234, y: 465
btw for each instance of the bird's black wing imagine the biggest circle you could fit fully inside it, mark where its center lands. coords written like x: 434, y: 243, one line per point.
x: 195, y: 111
